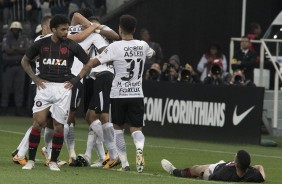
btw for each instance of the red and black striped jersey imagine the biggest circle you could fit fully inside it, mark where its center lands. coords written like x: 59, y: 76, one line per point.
x: 227, y: 172
x: 56, y: 59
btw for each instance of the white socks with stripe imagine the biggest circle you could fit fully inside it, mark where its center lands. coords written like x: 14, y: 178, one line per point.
x: 121, y: 147
x: 109, y: 140
x: 96, y: 126
x: 92, y: 141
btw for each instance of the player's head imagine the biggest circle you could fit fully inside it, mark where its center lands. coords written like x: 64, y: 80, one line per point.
x: 45, y: 24
x: 94, y: 19
x: 127, y: 24
x: 86, y: 12
x: 59, y: 26
x: 242, y: 160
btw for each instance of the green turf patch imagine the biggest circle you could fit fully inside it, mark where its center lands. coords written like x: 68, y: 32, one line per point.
x: 182, y: 153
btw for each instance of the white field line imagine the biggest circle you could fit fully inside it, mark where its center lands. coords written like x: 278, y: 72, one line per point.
x: 170, y: 147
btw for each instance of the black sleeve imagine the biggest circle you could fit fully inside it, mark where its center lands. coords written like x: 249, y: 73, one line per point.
x: 253, y: 175
x: 216, y: 177
x: 80, y: 53
x: 222, y: 174
x: 33, y: 51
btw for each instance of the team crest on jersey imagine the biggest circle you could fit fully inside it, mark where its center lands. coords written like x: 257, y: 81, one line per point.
x: 45, y: 49
x: 64, y: 50
x: 38, y: 103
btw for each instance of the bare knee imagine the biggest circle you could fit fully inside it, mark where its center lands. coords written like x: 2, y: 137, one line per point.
x: 39, y: 123
x: 58, y: 127
x: 91, y: 116
x: 198, y: 170
x: 104, y: 118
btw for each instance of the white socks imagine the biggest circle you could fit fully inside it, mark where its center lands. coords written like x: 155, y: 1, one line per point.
x: 96, y: 126
x: 139, y: 139
x: 90, y: 143
x: 24, y: 145
x: 121, y: 147
x: 99, y: 149
x: 48, y: 136
x: 69, y: 139
x: 109, y: 140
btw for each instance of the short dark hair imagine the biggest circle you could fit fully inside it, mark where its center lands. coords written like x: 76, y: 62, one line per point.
x: 128, y: 23
x: 45, y: 19
x: 243, y: 160
x: 94, y: 19
x: 58, y: 20
x: 86, y: 12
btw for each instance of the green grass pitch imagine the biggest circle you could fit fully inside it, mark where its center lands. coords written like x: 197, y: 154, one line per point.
x: 182, y: 153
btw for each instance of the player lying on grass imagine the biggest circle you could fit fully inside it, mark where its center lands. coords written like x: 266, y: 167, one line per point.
x: 238, y: 170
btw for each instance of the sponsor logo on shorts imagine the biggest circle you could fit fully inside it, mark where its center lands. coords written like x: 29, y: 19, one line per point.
x: 38, y: 103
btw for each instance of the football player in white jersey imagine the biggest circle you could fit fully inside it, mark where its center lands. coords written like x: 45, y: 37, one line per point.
x: 98, y: 99
x: 74, y: 32
x: 127, y: 105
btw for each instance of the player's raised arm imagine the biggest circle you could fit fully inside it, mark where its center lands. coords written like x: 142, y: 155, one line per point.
x: 79, y: 37
x: 107, y: 32
x: 80, y: 19
x: 101, y: 29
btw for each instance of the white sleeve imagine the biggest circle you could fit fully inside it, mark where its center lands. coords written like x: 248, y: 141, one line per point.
x: 99, y: 41
x: 107, y: 55
x: 150, y: 53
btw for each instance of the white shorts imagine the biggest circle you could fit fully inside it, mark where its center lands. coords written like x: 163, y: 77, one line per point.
x: 56, y: 96
x: 210, y: 170
x: 213, y: 166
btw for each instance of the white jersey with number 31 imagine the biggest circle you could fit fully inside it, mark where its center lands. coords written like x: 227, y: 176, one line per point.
x: 128, y: 59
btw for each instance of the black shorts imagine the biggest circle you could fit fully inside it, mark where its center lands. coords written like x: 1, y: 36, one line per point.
x: 76, y: 96
x: 127, y: 110
x: 87, y: 95
x: 100, y: 100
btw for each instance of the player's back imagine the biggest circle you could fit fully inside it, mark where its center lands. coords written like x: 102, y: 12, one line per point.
x: 128, y: 60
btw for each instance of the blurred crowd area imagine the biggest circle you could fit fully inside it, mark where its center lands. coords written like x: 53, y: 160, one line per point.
x: 30, y: 12
x: 23, y: 17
